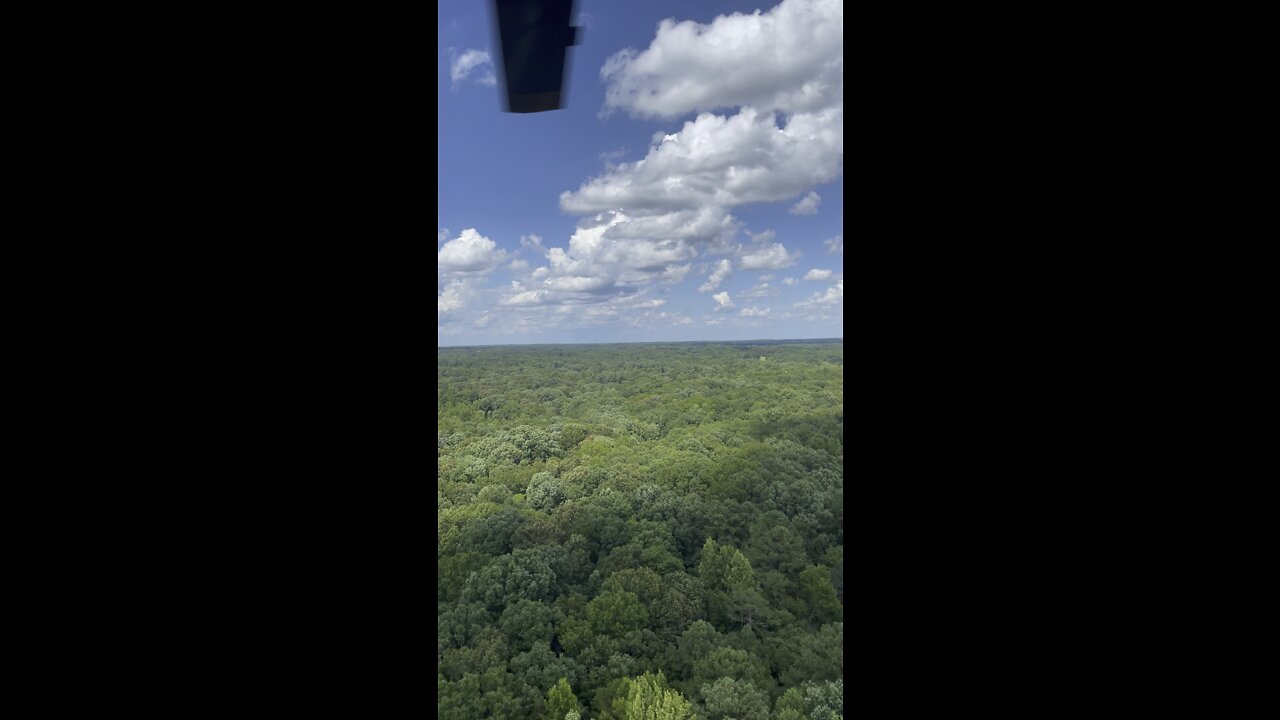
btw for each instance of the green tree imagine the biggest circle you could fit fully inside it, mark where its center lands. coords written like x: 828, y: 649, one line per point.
x: 737, y: 699
x: 644, y: 582
x: 489, y: 405
x: 733, y: 592
x: 527, y: 622
x: 835, y: 558
x: 545, y: 491
x: 648, y: 697
x: 819, y: 595
x: 680, y: 604
x: 824, y: 700
x: 615, y: 613
x: 561, y: 701
x: 694, y: 644
x: 732, y: 663
x: 817, y: 656
x: 790, y: 706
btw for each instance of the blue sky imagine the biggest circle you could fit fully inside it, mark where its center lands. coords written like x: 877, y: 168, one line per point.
x: 692, y: 189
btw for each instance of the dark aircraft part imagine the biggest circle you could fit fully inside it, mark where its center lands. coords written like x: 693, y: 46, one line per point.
x: 534, y: 37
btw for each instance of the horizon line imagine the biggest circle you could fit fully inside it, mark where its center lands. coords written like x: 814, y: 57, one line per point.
x: 644, y: 342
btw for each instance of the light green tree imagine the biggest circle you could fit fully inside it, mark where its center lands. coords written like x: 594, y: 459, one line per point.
x: 648, y: 697
x: 561, y: 701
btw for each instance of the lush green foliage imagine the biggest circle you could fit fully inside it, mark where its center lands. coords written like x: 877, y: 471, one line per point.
x: 641, y: 531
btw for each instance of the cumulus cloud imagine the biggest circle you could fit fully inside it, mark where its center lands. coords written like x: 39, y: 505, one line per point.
x: 441, y: 235
x: 816, y: 274
x: 789, y: 281
x: 835, y: 244
x: 773, y: 257
x: 788, y: 59
x: 646, y: 223
x: 710, y: 226
x: 527, y: 297
x: 833, y: 296
x: 721, y: 272
x: 614, y: 253
x: 448, y: 301
x: 453, y: 300
x: 579, y: 284
x: 722, y: 162
x: 470, y: 252
x: 808, y: 205
x: 471, y: 61
x: 781, y: 74
x: 519, y: 265
x: 761, y: 290
x: 674, y: 274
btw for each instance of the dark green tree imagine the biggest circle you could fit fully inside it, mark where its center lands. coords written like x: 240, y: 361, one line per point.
x: 819, y: 595
x: 727, y: 698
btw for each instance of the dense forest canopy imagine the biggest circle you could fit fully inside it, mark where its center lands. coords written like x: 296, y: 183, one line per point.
x: 641, y: 530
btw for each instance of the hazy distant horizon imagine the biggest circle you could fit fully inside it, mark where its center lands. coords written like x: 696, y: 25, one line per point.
x: 645, y: 342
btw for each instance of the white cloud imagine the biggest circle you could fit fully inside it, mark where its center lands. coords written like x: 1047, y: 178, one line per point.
x: 611, y: 155
x: 816, y: 274
x: 835, y: 244
x: 448, y: 301
x: 808, y: 205
x: 774, y: 257
x: 528, y: 297
x: 650, y: 221
x: 441, y: 235
x: 761, y: 290
x: 579, y: 284
x: 788, y: 59
x: 833, y: 296
x: 721, y: 162
x: 451, y: 301
x: 789, y: 281
x: 674, y: 274
x: 470, y: 252
x: 710, y: 225
x: 721, y: 272
x: 471, y: 60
